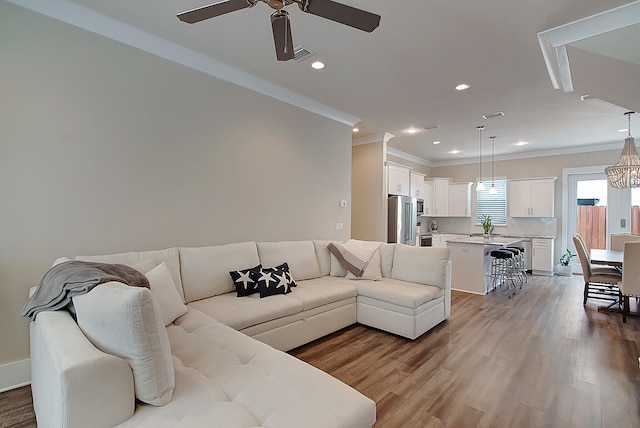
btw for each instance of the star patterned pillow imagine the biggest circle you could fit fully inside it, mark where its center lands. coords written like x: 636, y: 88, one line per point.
x: 275, y: 280
x: 246, y: 280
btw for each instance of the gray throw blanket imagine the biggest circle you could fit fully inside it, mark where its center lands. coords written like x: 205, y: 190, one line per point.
x: 73, y: 278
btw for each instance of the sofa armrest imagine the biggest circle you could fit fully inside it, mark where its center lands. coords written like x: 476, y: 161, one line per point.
x: 73, y: 383
x: 447, y: 291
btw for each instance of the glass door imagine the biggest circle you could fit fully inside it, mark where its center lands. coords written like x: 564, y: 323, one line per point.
x: 595, y: 210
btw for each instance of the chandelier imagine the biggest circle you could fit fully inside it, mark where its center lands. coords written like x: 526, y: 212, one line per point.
x: 626, y: 173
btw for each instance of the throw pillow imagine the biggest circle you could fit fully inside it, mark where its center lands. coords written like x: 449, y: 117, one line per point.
x: 126, y: 322
x: 246, y: 280
x: 275, y: 280
x: 164, y: 290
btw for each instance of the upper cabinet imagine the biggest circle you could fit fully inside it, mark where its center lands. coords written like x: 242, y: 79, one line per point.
x: 416, y: 189
x: 398, y: 179
x: 532, y: 197
x: 441, y: 197
x: 428, y: 198
x: 460, y: 199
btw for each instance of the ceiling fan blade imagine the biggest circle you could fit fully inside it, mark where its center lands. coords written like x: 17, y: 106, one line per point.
x: 213, y: 10
x: 282, y: 35
x: 341, y: 13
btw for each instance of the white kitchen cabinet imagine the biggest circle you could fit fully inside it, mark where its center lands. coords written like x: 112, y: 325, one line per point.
x: 460, y: 200
x: 532, y: 197
x: 398, y: 179
x: 416, y: 187
x: 436, y: 240
x: 441, y: 197
x: 428, y: 198
x: 542, y: 257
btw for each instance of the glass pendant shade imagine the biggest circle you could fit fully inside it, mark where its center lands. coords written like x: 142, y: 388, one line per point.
x: 625, y: 173
x: 492, y: 190
x: 480, y: 185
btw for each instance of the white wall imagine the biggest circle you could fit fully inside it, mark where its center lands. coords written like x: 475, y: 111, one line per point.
x: 104, y: 148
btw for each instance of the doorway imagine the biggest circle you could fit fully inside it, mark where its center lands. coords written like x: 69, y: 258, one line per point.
x: 594, y: 209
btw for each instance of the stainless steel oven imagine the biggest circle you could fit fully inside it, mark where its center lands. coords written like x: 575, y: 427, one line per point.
x: 425, y: 240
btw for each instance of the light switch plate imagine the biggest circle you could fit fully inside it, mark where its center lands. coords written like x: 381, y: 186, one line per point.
x: 343, y: 204
x: 339, y: 226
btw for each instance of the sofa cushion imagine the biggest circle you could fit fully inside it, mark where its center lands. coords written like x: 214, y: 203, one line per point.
x: 401, y: 293
x: 225, y: 378
x: 323, y: 255
x: 243, y: 312
x: 424, y: 265
x: 386, y: 259
x: 275, y: 280
x: 139, y: 261
x: 164, y: 290
x: 300, y: 255
x: 205, y: 270
x: 246, y: 280
x: 126, y: 322
x: 323, y: 291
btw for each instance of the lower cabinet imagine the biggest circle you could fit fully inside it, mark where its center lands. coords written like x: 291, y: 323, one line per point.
x: 542, y: 256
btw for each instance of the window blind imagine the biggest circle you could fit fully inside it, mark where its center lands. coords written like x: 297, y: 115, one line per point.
x: 493, y: 205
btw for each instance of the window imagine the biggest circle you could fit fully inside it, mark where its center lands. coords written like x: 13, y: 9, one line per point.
x: 494, y: 205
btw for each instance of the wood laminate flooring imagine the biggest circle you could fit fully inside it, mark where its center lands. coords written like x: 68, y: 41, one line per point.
x: 540, y: 359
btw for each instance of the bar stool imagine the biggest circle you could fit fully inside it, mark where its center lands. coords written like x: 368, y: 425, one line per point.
x: 521, y: 264
x: 502, y: 270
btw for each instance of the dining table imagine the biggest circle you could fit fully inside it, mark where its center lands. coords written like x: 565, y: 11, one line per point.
x: 606, y: 257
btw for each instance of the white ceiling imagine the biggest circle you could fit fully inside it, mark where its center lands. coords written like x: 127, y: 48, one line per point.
x: 404, y: 73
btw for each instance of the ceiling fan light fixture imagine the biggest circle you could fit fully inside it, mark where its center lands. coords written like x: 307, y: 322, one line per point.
x: 626, y: 173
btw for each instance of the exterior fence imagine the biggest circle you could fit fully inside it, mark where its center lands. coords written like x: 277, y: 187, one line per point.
x: 592, y: 224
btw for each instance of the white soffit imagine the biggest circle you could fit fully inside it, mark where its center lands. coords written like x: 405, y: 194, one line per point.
x: 90, y: 20
x: 553, y: 42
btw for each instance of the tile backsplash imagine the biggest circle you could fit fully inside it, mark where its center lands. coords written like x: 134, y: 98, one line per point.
x: 515, y: 226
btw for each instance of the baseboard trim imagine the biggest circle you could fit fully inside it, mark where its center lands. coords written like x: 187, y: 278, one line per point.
x: 14, y: 375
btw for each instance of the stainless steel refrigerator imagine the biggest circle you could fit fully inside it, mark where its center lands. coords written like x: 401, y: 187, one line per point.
x: 402, y: 220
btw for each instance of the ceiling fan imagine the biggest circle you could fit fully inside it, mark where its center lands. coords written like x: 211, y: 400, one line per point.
x: 280, y: 24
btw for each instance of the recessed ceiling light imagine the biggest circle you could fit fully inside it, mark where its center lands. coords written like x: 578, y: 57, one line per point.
x: 356, y: 129
x: 623, y: 130
x: 455, y: 151
x: 436, y: 142
x: 463, y: 86
x: 318, y: 65
x: 411, y: 130
x: 521, y: 143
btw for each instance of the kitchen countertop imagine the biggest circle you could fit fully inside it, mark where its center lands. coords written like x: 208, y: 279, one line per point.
x: 508, y: 235
x: 500, y: 241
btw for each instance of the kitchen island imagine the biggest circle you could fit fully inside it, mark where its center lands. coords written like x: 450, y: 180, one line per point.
x: 471, y: 261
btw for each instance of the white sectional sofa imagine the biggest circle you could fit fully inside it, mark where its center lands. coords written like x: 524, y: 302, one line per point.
x: 223, y: 376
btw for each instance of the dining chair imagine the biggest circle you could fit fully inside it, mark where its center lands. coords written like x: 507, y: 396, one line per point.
x: 599, y: 283
x: 618, y: 240
x: 630, y: 284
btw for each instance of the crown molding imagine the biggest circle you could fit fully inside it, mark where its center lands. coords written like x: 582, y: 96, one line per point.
x: 553, y: 42
x: 377, y: 138
x: 95, y: 22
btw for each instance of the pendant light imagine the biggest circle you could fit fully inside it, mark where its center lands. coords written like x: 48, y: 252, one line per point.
x: 493, y: 190
x: 480, y: 185
x: 626, y: 173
